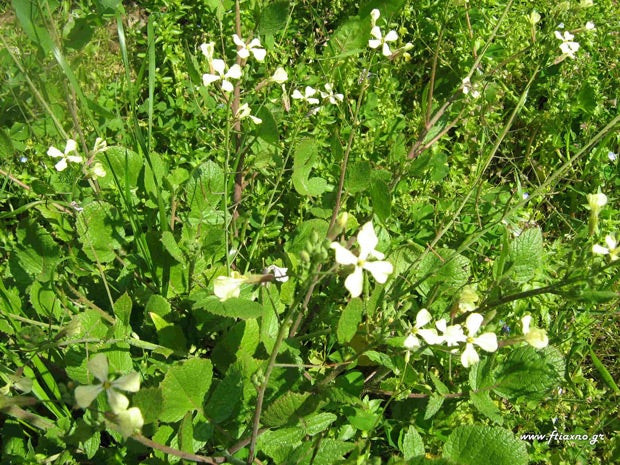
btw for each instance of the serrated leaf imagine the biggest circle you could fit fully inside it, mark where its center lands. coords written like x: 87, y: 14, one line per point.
x: 484, y: 445
x: 349, y: 320
x: 205, y: 188
x: 184, y: 388
x: 381, y: 359
x: 158, y: 305
x: 331, y: 451
x: 435, y: 402
x: 526, y: 253
x: 122, y: 167
x: 358, y: 177
x: 412, y: 443
x: 186, y: 434
x: 317, y: 422
x: 44, y: 301
x: 99, y: 227
x: 528, y: 372
x: 306, y: 153
x: 282, y: 410
x: 171, y: 246
x: 227, y: 396
x: 448, y: 269
x: 279, y: 443
x: 122, y: 309
x: 231, y: 308
x: 485, y: 405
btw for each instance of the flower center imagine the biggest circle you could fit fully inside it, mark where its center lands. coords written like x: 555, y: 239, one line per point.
x: 470, y: 340
x: 107, y: 384
x: 360, y: 262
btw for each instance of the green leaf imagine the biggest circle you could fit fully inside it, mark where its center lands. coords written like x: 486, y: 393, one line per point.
x: 44, y: 301
x: 122, y: 166
x: 278, y: 444
x: 349, y: 320
x: 435, y: 402
x: 485, y: 405
x: 449, y: 270
x: 227, y: 396
x: 439, y: 385
x: 317, y: 422
x: 412, y: 443
x: 232, y: 308
x: 282, y: 410
x: 305, y: 232
x: 122, y: 309
x: 168, y: 334
x: 528, y: 372
x: 526, y: 253
x: 484, y: 445
x: 99, y: 228
x: 171, y: 246
x: 349, y: 38
x: 358, y: 177
x: 184, y: 388
x: 186, y: 434
x: 331, y: 451
x: 273, y: 18
x: 268, y: 129
x: 158, y: 305
x: 149, y: 401
x: 241, y: 339
x: 306, y: 153
x: 205, y: 188
x: 381, y: 199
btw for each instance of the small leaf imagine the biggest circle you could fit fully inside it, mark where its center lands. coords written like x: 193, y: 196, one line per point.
x: 149, y: 401
x: 273, y: 18
x: 122, y: 309
x: 526, y: 253
x: 184, y: 388
x: 317, y: 422
x: 306, y: 153
x: 349, y: 320
x: 158, y: 305
x: 122, y: 167
x: 282, y: 410
x: 412, y: 444
x: 358, y: 177
x: 434, y: 404
x: 381, y: 199
x: 171, y: 246
x: 232, y: 308
x: 227, y: 396
x: 485, y: 405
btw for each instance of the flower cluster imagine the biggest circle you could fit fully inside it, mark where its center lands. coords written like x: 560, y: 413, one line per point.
x: 568, y: 46
x: 69, y: 155
x: 127, y: 420
x: 309, y: 96
x: 382, y: 41
x: 367, y: 241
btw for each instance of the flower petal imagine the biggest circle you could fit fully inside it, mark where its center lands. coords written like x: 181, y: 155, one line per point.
x: 610, y: 241
x: 74, y: 158
x: 343, y: 256
x: 259, y: 53
x: 227, y: 86
x: 234, y: 72
x: 219, y: 66
x: 469, y: 356
x: 209, y: 78
x: 537, y: 338
x: 129, y: 421
x: 54, y: 152
x: 355, y: 282
x: 243, y: 53
x: 391, y: 36
x: 441, y: 325
x: 374, y: 43
x: 309, y: 91
x: 379, y: 270
x: 98, y: 366
x: 71, y: 146
x: 430, y: 336
x: 297, y: 95
x: 411, y: 342
x: 422, y: 318
x: 129, y: 382
x: 487, y: 341
x: 313, y: 101
x: 376, y: 32
x: 525, y: 323
x: 367, y: 240
x: 237, y: 40
x: 61, y: 165
x: 473, y: 323
x: 386, y: 50
x: 256, y: 119
x: 84, y: 395
x: 599, y: 249
x: 117, y: 400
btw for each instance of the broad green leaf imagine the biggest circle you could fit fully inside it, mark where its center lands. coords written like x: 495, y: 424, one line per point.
x: 273, y: 18
x: 304, y: 234
x: 350, y: 38
x: 171, y: 246
x: 242, y: 338
x: 205, y: 188
x: 122, y: 166
x: 186, y: 434
x: 439, y: 385
x: 381, y: 358
x: 184, y: 388
x: 227, y: 396
x: 358, y: 177
x: 232, y: 308
x: 306, y: 153
x: 317, y: 422
x: 526, y: 253
x: 484, y: 445
x: 349, y: 320
x: 36, y: 254
x: 449, y: 270
x: 44, y: 301
x: 363, y: 420
x: 435, y: 402
x: 381, y: 199
x: 268, y: 129
x: 528, y: 372
x: 149, y: 401
x: 331, y: 451
x: 282, y: 410
x: 279, y: 443
x: 99, y: 228
x: 485, y: 405
x: 169, y: 334
x: 122, y: 309
x: 412, y: 443
x: 158, y: 305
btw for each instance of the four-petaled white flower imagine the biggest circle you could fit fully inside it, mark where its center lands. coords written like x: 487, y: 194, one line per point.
x: 280, y: 76
x: 568, y: 46
x: 367, y: 241
x: 536, y: 337
x: 380, y: 41
x: 219, y: 66
x: 612, y: 249
x: 469, y: 88
x: 70, y: 148
x: 279, y: 273
x: 98, y: 366
x: 590, y: 26
x: 330, y: 95
x: 429, y: 335
x: 226, y: 287
x: 486, y: 341
x: 244, y: 112
x: 450, y: 335
x: 307, y: 96
x: 253, y: 47
x: 128, y: 421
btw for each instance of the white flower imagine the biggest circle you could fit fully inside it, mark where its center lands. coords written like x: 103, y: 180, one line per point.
x: 486, y: 341
x: 568, y: 47
x: 280, y: 76
x: 535, y: 337
x: 380, y: 41
x: 219, y: 66
x: 590, y: 26
x: 71, y: 147
x: 451, y: 335
x: 98, y: 366
x: 374, y: 16
x: 100, y: 145
x: 468, y: 299
x: 244, y: 112
x: 97, y: 170
x: 207, y: 50
x: 596, y: 201
x: 128, y: 421
x: 279, y: 273
x: 429, y: 335
x: 534, y: 17
x: 226, y: 287
x: 612, y: 156
x: 367, y: 241
x: 253, y: 47
x: 330, y: 95
x: 469, y: 88
x: 306, y: 96
x: 612, y: 249
x: 561, y: 26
